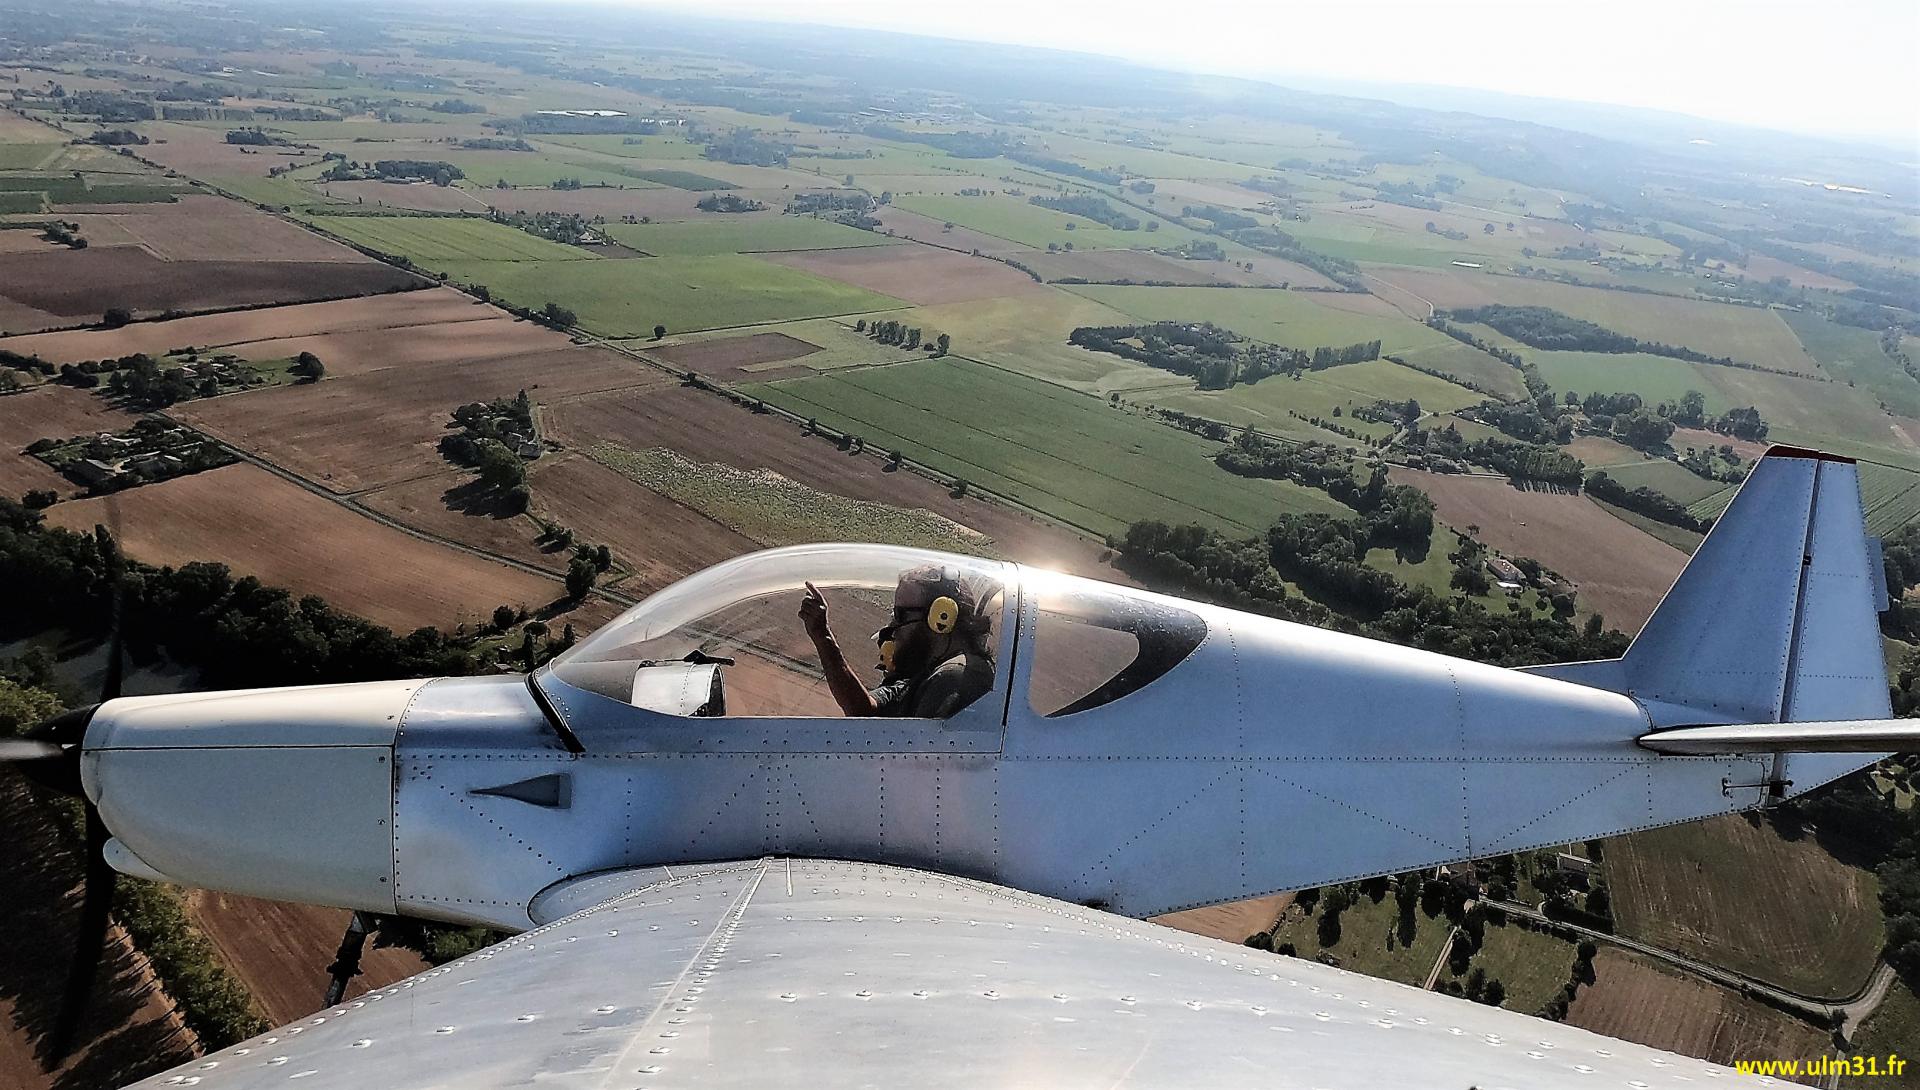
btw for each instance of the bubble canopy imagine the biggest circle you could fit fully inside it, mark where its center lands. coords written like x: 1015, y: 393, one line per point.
x: 746, y: 609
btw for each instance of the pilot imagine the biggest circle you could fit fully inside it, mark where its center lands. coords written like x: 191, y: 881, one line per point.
x: 934, y: 650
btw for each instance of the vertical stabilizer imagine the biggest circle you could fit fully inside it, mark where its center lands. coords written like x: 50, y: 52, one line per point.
x: 1773, y: 620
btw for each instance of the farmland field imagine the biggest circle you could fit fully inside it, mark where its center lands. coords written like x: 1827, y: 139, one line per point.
x: 710, y: 237
x: 292, y: 538
x: 432, y: 240
x: 1267, y: 404
x: 1531, y: 965
x: 917, y: 274
x: 1634, y: 1000
x: 432, y: 307
x: 1891, y: 496
x: 1013, y: 219
x: 707, y: 429
x: 74, y: 284
x: 1852, y: 354
x: 1619, y: 571
x: 364, y: 430
x: 1367, y: 940
x: 49, y: 412
x: 1669, y: 478
x: 1057, y: 451
x: 1739, y: 895
x: 1279, y: 317
x: 627, y: 298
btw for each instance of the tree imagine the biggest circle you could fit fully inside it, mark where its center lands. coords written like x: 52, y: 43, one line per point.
x: 504, y: 616
x: 1495, y: 994
x: 558, y: 316
x: 602, y: 558
x: 941, y: 344
x: 659, y: 331
x: 499, y: 467
x: 40, y: 498
x: 115, y: 317
x: 581, y: 577
x: 308, y: 367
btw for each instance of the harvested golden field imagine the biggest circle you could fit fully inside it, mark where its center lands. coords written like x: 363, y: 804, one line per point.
x: 396, y: 311
x: 48, y: 412
x: 1620, y: 571
x: 261, y: 525
x: 1634, y: 1001
x: 378, y: 427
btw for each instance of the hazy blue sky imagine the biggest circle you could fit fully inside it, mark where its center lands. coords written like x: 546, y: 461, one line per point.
x: 1841, y: 67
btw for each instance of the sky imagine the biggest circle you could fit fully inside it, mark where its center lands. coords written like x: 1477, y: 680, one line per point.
x: 1838, y: 68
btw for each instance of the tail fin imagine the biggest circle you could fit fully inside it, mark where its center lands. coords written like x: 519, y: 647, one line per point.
x: 1772, y: 621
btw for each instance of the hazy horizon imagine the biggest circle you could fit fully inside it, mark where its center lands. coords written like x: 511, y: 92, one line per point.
x: 1762, y: 65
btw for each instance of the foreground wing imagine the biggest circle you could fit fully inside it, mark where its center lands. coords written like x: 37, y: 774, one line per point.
x: 810, y: 973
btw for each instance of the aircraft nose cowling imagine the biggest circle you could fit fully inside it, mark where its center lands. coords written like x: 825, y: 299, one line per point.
x: 281, y: 793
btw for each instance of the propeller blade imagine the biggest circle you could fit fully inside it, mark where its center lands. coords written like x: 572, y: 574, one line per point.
x: 26, y: 749
x: 115, y: 565
x: 90, y: 937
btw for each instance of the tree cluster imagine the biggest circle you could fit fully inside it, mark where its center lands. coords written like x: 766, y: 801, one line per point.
x: 1090, y: 207
x: 729, y: 202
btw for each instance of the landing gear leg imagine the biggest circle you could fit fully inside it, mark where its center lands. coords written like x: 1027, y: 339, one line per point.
x: 346, y: 960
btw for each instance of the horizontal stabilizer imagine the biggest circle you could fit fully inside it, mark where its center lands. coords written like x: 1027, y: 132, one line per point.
x: 1846, y: 736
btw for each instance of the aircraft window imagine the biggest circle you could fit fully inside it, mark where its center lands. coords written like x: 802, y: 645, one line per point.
x: 1094, y: 644
x: 730, y: 640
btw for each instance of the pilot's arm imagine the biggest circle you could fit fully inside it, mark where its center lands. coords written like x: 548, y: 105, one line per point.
x: 845, y: 685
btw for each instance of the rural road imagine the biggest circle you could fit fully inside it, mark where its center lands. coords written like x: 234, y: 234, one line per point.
x: 1814, y: 1010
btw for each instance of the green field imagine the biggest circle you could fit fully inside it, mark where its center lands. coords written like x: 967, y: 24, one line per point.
x: 1368, y: 941
x: 1057, y: 451
x: 701, y: 238
x: 1288, y: 318
x: 1654, y: 378
x: 685, y: 179
x: 1013, y: 219
x: 1747, y: 334
x: 282, y: 192
x: 641, y: 147
x: 1266, y: 404
x: 1028, y: 333
x: 486, y: 169
x: 1670, y: 478
x: 1684, y: 540
x: 61, y: 189
x: 431, y: 241
x: 1891, y: 497
x: 26, y: 156
x: 1466, y: 362
x: 627, y: 298
x: 775, y: 511
x: 839, y: 346
x: 1852, y: 354
x: 1531, y: 965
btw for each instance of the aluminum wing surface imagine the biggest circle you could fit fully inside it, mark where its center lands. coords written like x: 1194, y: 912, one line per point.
x: 800, y: 972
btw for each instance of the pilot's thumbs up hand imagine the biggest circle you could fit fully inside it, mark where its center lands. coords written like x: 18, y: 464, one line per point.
x: 813, y: 613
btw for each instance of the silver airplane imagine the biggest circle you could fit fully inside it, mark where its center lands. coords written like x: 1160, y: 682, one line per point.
x: 716, y: 878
